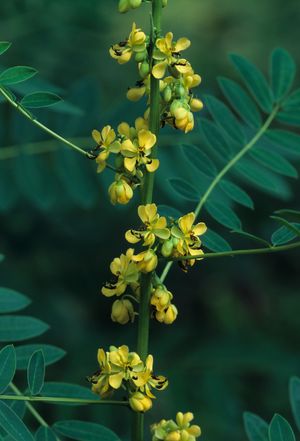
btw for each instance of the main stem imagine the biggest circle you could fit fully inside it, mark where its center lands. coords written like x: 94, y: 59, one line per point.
x: 147, y: 194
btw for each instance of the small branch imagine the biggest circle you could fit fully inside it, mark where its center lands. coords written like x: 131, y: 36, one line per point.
x: 25, y: 113
x: 58, y: 400
x: 233, y: 253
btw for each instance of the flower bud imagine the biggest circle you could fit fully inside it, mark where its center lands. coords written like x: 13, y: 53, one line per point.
x: 168, y: 316
x: 164, y: 3
x: 144, y: 69
x: 122, y: 311
x: 140, y: 56
x: 135, y: 93
x: 120, y: 192
x: 167, y: 94
x: 180, y: 91
x: 135, y: 3
x: 124, y: 6
x: 167, y: 248
x: 161, y: 298
x: 196, y: 105
x: 140, y: 402
x: 173, y: 436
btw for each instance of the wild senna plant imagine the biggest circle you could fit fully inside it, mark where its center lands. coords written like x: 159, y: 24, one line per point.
x: 168, y: 84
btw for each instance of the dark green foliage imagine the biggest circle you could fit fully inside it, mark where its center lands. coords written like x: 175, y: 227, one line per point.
x: 7, y: 366
x: 36, y: 372
x: 83, y: 431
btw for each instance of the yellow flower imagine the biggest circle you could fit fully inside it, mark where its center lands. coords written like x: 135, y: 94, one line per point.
x: 106, y: 140
x: 120, y: 192
x: 155, y: 226
x: 168, y: 55
x: 167, y: 315
x: 140, y: 402
x: 125, y: 5
x: 125, y: 131
x: 100, y: 380
x: 122, y: 311
x: 146, y: 380
x: 124, y: 365
x: 136, y: 43
x: 138, y: 151
x: 181, y: 430
x: 125, y: 272
x: 188, y: 236
x: 146, y: 261
x: 161, y: 298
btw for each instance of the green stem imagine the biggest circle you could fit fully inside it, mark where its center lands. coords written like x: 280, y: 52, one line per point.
x: 147, y: 195
x: 225, y: 170
x: 56, y: 400
x: 236, y: 158
x: 240, y: 252
x: 27, y: 115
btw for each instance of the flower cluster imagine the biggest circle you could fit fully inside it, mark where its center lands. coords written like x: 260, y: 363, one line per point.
x: 132, y: 147
x: 126, y: 5
x: 120, y: 368
x: 177, y: 79
x: 161, y: 238
x: 179, y: 430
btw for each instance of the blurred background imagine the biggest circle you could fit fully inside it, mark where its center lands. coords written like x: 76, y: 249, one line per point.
x: 235, y: 342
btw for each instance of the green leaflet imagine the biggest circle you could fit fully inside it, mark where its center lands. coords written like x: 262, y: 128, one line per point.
x: 67, y: 390
x: 84, y: 431
x: 40, y: 99
x: 241, y: 102
x: 292, y: 102
x: 289, y: 117
x: 214, y: 242
x: 199, y: 160
x: 225, y: 119
x: 51, y: 353
x: 4, y: 46
x: 255, y: 81
x: 214, y: 138
x: 183, y: 189
x: 294, y: 393
x: 284, y: 235
x: 223, y: 214
x: 12, y: 301
x: 36, y: 372
x: 45, y: 434
x: 17, y: 74
x: 290, y: 226
x: 7, y: 366
x: 17, y: 327
x: 13, y: 425
x: 280, y: 430
x: 256, y: 428
x: 274, y: 161
x: 282, y: 73
x: 262, y: 178
x: 236, y: 193
x: 19, y: 407
x: 286, y: 140
x: 290, y: 214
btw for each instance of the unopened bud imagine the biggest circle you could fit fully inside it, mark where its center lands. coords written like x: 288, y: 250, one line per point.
x: 124, y: 6
x: 135, y: 3
x: 167, y: 94
x: 144, y: 69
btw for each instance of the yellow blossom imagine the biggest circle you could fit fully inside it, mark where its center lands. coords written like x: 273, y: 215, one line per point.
x: 124, y: 365
x: 122, y: 311
x: 136, y: 43
x: 138, y: 151
x: 196, y: 105
x: 120, y: 192
x: 140, y: 402
x: 181, y: 430
x: 145, y: 380
x: 155, y: 226
x: 167, y: 55
x: 146, y: 261
x: 161, y: 298
x: 167, y: 315
x: 125, y: 272
x: 100, y: 380
x: 106, y: 140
